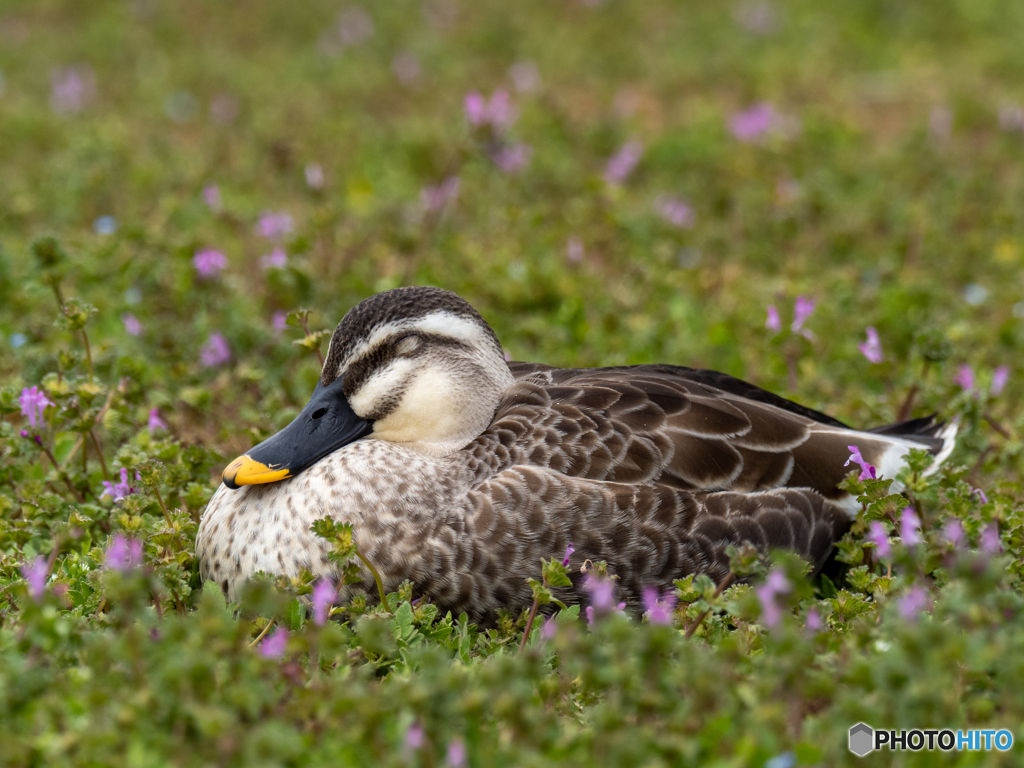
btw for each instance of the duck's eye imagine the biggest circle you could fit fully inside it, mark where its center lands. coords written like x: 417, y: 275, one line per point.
x: 319, y: 413
x: 407, y: 344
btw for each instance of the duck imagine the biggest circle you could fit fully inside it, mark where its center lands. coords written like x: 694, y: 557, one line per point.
x: 459, y: 471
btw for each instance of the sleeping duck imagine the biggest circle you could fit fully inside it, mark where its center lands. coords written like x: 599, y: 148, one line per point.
x: 458, y: 470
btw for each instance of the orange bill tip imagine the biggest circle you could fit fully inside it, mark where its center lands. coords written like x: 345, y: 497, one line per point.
x: 246, y: 471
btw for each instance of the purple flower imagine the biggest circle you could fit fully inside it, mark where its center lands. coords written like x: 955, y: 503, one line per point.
x: 131, y: 324
x: 990, y: 543
x: 659, y: 610
x: 913, y: 602
x: 622, y: 163
x: 513, y: 158
x: 435, y: 198
x: 354, y: 26
x: 211, y: 196
x: 209, y: 262
x: 498, y: 113
x: 456, y: 753
x: 71, y: 88
x: 36, y: 575
x: 568, y: 553
x: 802, y: 310
x: 280, y: 321
x: 33, y: 402
x: 774, y: 322
x: 549, y: 629
x: 866, y: 470
x: 999, y: 379
x: 872, y: 348
x: 406, y: 67
x: 323, y: 598
x: 274, y: 645
x: 953, y: 532
x: 774, y: 585
x: 589, y: 612
x: 123, y: 554
x: 675, y: 211
x: 155, y: 422
x: 525, y: 76
x: 981, y: 495
x: 910, y: 527
x: 755, y: 123
x: 878, y: 536
x: 574, y: 250
x: 274, y: 225
x: 964, y: 378
x: 602, y: 592
x: 414, y: 736
x: 314, y: 176
x: 813, y: 621
x: 118, y: 491
x: 276, y: 259
x: 215, y: 351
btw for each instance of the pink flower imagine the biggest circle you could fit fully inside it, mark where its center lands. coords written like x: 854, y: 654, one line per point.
x: 123, y: 554
x: 878, y: 536
x: 314, y: 176
x: 215, y: 351
x: 406, y: 67
x: 755, y: 123
x: 867, y: 471
x: 435, y: 198
x: 953, y: 532
x: 155, y: 422
x: 456, y: 753
x: 774, y: 322
x: 659, y: 610
x: 211, y: 196
x: 549, y: 629
x: 574, y: 250
x: 568, y: 553
x: 774, y: 585
x: 981, y: 495
x: 802, y: 310
x: 913, y: 602
x: 274, y: 225
x: 33, y: 403
x: 414, y: 736
x: 525, y: 76
x: 131, y: 324
x: 71, y: 88
x: 910, y: 527
x: 999, y: 379
x: 276, y: 259
x: 602, y: 592
x: 323, y: 598
x: 118, y: 491
x: 498, y: 113
x: 513, y: 158
x: 872, y: 348
x: 813, y: 621
x: 964, y: 378
x: 675, y: 211
x: 280, y: 321
x: 36, y: 575
x: 622, y: 163
x: 990, y: 543
x: 209, y: 262
x: 274, y: 646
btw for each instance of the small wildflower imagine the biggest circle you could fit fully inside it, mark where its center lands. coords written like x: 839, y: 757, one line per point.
x: 549, y: 629
x: 71, y: 89
x: 910, y: 527
x: 323, y: 598
x: 513, y: 158
x: 574, y: 250
x: 34, y: 402
x: 211, y: 196
x: 872, y: 348
x: 274, y: 646
x: 981, y: 495
x: 414, y: 736
x: 209, y: 262
x: 774, y: 322
x: 621, y: 164
x: 602, y: 592
x: 215, y: 351
x: 406, y: 68
x: 867, y: 471
x: 276, y: 259
x: 456, y: 753
x: 280, y: 321
x: 675, y: 211
x: 525, y: 76
x: 774, y: 585
x: 568, y: 553
x: 314, y: 176
x: 813, y: 621
x: 354, y: 26
x: 435, y: 198
x: 155, y: 422
x: 498, y: 113
x: 802, y: 310
x: 1000, y: 376
x: 755, y: 123
x: 36, y: 575
x: 878, y: 536
x: 274, y: 225
x: 964, y: 378
x: 658, y: 609
x: 123, y: 554
x: 990, y: 543
x: 953, y: 532
x: 132, y: 326
x: 118, y: 491
x: 913, y: 602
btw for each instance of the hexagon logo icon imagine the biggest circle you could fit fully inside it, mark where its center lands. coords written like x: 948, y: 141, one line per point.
x: 862, y: 738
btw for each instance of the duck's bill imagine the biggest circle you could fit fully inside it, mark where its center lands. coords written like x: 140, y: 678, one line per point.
x: 326, y: 424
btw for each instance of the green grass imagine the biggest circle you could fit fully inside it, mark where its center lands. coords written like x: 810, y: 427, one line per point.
x: 893, y: 194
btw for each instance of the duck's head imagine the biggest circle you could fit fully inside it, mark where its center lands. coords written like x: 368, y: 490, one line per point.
x: 415, y: 366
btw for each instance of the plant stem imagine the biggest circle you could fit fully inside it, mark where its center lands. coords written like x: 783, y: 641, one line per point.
x: 376, y: 577
x: 99, y: 452
x: 163, y: 506
x: 262, y: 634
x: 721, y: 588
x: 529, y: 624
x: 63, y: 475
x: 88, y: 352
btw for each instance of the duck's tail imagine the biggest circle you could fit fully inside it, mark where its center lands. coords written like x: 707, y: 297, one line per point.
x: 937, y: 437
